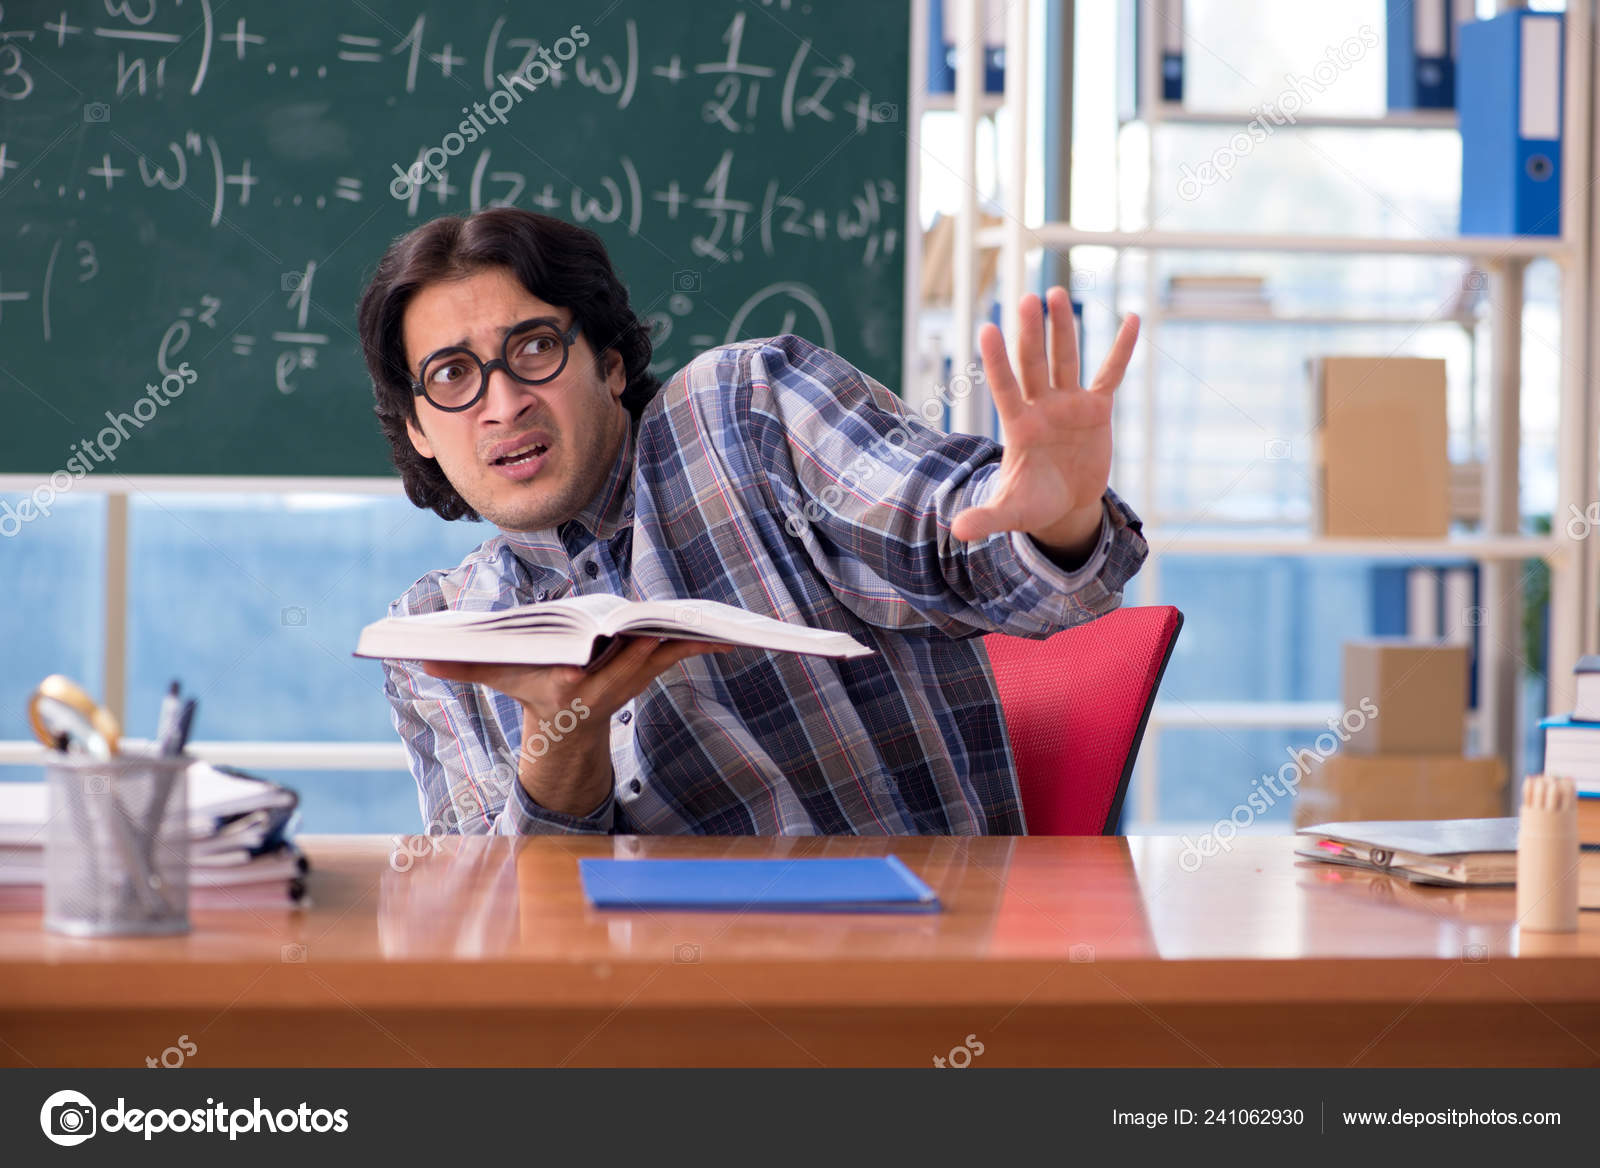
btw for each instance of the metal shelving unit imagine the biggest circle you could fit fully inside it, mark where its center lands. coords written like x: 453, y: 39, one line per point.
x: 1501, y: 546
x: 1482, y: 548
x: 1059, y: 236
x: 1400, y: 120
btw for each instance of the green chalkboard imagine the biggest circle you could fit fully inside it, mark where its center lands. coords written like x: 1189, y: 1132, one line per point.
x: 200, y: 187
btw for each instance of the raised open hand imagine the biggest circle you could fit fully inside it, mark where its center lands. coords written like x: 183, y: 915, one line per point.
x: 1057, y: 457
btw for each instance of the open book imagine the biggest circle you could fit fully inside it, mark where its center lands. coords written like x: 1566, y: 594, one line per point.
x: 587, y: 630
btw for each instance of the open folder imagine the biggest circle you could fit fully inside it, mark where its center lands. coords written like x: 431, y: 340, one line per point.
x: 1428, y: 851
x: 878, y: 884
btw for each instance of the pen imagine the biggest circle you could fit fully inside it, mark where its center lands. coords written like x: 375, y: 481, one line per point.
x: 167, y: 723
x: 172, y: 744
x: 185, y: 724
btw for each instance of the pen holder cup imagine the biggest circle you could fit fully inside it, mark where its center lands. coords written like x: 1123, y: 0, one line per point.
x: 117, y: 845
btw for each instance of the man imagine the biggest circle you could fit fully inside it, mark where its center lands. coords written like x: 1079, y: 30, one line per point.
x: 511, y: 381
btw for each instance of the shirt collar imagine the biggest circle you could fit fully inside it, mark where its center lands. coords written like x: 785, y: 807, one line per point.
x: 607, y: 511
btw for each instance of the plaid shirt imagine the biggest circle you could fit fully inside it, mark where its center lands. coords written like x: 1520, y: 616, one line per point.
x: 773, y: 476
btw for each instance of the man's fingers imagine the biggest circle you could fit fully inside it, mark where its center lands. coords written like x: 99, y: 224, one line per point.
x: 672, y: 652
x: 644, y: 659
x: 634, y: 681
x: 1116, y: 364
x: 633, y: 656
x: 632, y: 667
x: 997, y: 371
x: 976, y: 523
x: 674, y: 647
x: 1063, y: 340
x: 693, y: 647
x: 454, y: 671
x: 625, y: 675
x: 513, y: 679
x: 1031, y: 358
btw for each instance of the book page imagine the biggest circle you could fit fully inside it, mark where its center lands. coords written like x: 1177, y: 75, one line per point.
x: 570, y: 612
x: 712, y: 620
x: 687, y: 618
x: 587, y: 612
x: 594, y: 609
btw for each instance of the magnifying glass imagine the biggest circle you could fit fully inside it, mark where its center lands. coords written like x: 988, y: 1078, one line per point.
x: 60, y: 708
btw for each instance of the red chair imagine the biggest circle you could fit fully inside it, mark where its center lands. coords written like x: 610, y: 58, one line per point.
x: 1075, y: 706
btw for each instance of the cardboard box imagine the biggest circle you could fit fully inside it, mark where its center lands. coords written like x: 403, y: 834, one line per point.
x: 1380, y: 451
x: 1419, y: 692
x: 1419, y: 786
x: 938, y: 260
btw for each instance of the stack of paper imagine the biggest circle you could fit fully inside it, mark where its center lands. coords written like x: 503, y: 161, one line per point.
x: 239, y: 846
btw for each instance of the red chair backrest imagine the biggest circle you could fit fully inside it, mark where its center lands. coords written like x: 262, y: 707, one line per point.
x: 1075, y: 706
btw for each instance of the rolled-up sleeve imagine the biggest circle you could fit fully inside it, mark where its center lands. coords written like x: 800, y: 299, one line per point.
x: 522, y: 816
x: 466, y: 783
x: 869, y: 491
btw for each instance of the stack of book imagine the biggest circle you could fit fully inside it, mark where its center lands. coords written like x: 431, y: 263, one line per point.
x: 1218, y: 294
x: 1572, y: 747
x: 241, y: 854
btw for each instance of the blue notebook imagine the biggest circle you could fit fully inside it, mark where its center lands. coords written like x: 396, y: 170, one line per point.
x: 878, y: 884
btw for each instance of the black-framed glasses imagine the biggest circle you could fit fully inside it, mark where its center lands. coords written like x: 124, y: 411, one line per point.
x: 535, y: 351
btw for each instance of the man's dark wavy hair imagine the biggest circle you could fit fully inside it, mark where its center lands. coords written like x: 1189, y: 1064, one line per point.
x: 562, y: 264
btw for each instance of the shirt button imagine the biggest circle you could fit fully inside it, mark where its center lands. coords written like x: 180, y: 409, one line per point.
x: 544, y: 594
x: 625, y: 717
x: 592, y: 568
x: 635, y: 786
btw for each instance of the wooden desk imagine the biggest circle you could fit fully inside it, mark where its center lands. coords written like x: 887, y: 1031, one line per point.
x: 1082, y: 951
